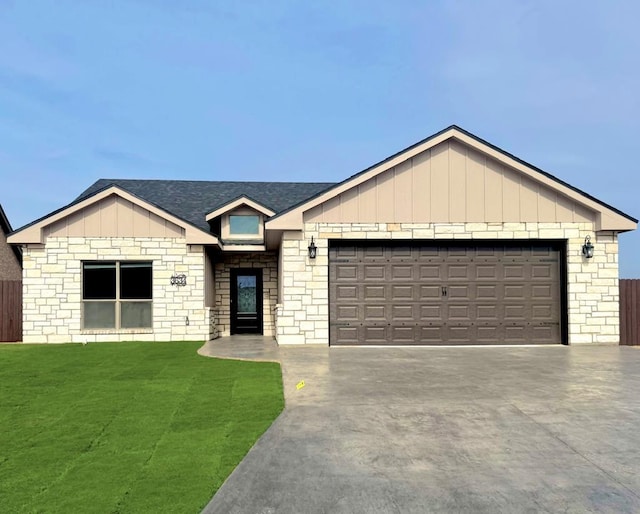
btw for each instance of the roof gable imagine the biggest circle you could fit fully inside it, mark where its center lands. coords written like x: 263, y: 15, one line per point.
x: 239, y: 202
x: 450, y: 152
x: 98, y: 215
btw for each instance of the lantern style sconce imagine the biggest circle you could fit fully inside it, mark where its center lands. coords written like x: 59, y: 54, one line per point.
x: 587, y: 248
x: 313, y: 250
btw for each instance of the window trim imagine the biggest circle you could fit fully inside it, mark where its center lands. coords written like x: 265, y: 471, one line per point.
x: 227, y: 235
x: 117, y: 301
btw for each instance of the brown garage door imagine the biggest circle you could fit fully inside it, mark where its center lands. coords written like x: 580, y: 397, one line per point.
x: 382, y: 294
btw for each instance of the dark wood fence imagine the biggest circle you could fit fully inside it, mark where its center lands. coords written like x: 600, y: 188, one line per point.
x: 630, y: 311
x: 10, y: 310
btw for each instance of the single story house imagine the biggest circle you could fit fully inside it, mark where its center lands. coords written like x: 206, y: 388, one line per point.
x: 450, y: 241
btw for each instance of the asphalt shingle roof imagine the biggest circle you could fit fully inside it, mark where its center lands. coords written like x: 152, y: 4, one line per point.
x: 191, y: 200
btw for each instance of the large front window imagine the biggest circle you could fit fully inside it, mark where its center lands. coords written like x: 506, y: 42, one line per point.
x: 116, y: 295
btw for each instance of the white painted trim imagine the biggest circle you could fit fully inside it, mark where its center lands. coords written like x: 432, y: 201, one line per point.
x: 244, y: 200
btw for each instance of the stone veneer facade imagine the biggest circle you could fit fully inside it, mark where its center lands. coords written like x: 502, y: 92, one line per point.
x: 268, y: 262
x: 52, y: 289
x: 592, y: 288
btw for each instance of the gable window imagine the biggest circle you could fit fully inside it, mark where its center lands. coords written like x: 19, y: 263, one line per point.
x: 116, y: 295
x: 244, y: 224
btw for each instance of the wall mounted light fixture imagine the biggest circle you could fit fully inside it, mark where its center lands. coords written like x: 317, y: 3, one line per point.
x: 587, y: 248
x: 313, y: 250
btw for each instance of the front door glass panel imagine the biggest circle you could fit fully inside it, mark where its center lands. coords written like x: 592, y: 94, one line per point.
x: 247, y: 298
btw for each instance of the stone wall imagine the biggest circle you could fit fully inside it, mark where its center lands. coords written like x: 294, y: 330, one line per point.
x: 268, y: 262
x: 52, y: 289
x: 592, y: 288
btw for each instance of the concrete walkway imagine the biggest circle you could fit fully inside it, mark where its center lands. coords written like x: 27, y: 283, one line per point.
x: 544, y: 429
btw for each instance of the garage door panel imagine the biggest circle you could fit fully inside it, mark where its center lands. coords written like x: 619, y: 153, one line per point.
x: 372, y: 253
x: 515, y: 334
x: 515, y: 312
x: 376, y: 334
x: 542, y: 292
x: 514, y: 271
x: 373, y: 292
x: 431, y: 334
x: 346, y: 292
x: 402, y: 272
x: 460, y: 253
x: 348, y: 312
x: 429, y: 292
x: 486, y: 292
x: 493, y: 293
x: 426, y: 253
x: 514, y: 291
x: 461, y: 334
x: 489, y: 334
x: 403, y: 334
x: 406, y: 312
x: 459, y: 312
x: 514, y: 252
x: 345, y: 252
x: 399, y: 253
x: 430, y: 272
x: 347, y: 335
x: 488, y: 253
x: 544, y: 334
x: 346, y: 272
x: 486, y: 312
x: 541, y: 272
x: 458, y: 272
x: 543, y: 312
x: 488, y: 272
x: 457, y: 291
x: 430, y: 312
x: 403, y: 292
x: 374, y: 272
x: 375, y: 312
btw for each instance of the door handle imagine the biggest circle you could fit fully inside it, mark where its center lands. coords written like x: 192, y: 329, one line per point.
x: 444, y: 291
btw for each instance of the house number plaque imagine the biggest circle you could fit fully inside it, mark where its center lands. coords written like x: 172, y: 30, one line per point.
x: 179, y: 280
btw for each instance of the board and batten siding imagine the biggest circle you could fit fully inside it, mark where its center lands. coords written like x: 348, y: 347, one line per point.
x: 113, y: 217
x: 451, y: 182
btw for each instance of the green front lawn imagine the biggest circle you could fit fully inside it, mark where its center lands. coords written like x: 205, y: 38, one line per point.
x: 126, y: 427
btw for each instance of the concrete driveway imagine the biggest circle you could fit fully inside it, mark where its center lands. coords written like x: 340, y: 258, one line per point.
x: 544, y: 429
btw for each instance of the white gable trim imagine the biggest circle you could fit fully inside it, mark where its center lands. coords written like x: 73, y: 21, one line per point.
x: 243, y: 200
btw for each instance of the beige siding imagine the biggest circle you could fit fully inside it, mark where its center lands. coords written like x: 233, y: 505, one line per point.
x: 451, y: 182
x: 113, y: 217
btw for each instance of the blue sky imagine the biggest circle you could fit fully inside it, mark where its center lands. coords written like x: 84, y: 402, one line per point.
x: 290, y: 90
